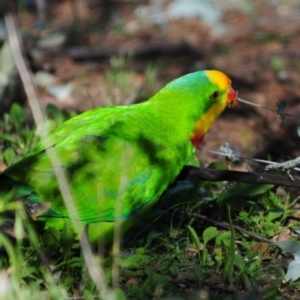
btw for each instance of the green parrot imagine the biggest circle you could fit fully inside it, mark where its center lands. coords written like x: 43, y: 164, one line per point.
x: 118, y: 160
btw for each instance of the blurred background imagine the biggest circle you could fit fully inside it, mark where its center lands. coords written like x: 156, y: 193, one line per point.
x: 90, y: 53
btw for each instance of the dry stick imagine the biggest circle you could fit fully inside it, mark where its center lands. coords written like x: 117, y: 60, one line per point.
x: 255, y: 104
x: 194, y: 173
x: 102, y: 52
x: 261, y: 106
x: 227, y: 226
x: 96, y: 273
x: 263, y: 161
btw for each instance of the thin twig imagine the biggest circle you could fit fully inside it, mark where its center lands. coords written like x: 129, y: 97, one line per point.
x: 263, y: 161
x: 227, y: 226
x: 261, y: 106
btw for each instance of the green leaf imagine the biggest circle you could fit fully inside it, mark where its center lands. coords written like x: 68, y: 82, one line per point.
x: 224, y: 238
x: 239, y: 262
x: 9, y: 156
x: 271, y: 293
x: 209, y: 233
x: 198, y: 270
x: 153, y: 280
x: 18, y: 227
x: 272, y: 215
x: 195, y: 238
x: 55, y: 233
x: 152, y: 236
x: 8, y: 138
x: 174, y: 269
x: 17, y: 115
x: 133, y: 261
x: 67, y: 238
x: 254, y: 266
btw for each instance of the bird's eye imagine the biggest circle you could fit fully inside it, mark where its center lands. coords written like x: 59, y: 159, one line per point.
x: 214, y: 95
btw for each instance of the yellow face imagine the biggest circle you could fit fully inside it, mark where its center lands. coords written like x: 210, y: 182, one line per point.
x: 224, y: 83
x: 203, y: 124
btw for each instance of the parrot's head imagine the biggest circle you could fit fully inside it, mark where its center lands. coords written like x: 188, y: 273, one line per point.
x: 194, y: 101
x: 218, y: 95
x: 223, y: 86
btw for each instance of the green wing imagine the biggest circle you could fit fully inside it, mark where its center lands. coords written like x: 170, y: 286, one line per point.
x: 106, y: 159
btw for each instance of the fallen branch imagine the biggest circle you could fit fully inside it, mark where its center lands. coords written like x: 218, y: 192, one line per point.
x: 195, y: 174
x: 149, y: 50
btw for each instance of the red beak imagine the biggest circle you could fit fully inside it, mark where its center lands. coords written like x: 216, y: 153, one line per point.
x: 232, y: 97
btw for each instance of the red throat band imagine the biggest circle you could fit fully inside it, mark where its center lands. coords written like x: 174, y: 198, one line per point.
x: 196, y: 140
